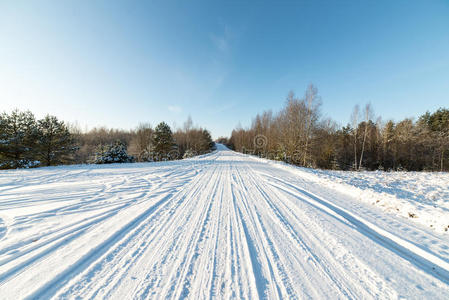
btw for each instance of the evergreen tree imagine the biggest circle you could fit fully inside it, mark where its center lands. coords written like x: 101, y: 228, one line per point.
x: 388, y: 150
x: 189, y: 153
x: 113, y: 153
x: 439, y: 120
x: 206, y: 141
x: 163, y: 142
x: 55, y: 143
x: 438, y: 124
x: 334, y: 163
x: 18, y: 133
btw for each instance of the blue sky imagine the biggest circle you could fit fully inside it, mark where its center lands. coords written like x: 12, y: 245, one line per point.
x: 118, y: 63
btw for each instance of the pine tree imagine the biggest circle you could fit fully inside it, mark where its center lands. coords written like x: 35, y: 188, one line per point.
x: 388, y: 151
x: 164, y: 144
x: 438, y: 123
x: 55, y: 143
x: 334, y: 163
x: 206, y: 141
x: 113, y: 153
x: 189, y: 153
x: 18, y: 133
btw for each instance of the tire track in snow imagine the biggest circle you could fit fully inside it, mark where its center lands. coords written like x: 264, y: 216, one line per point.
x: 210, y: 227
x: 182, y: 200
x: 177, y: 283
x: 41, y: 251
x: 257, y: 281
x: 3, y: 229
x: 117, y: 256
x: 277, y: 288
x: 425, y: 261
x: 51, y: 287
x: 48, y: 247
x: 169, y: 238
x: 97, y: 251
x: 317, y: 244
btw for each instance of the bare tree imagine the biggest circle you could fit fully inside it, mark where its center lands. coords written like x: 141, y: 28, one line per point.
x: 355, y: 123
x: 367, y: 113
x: 298, y: 135
x: 141, y: 143
x: 188, y: 125
x: 312, y: 102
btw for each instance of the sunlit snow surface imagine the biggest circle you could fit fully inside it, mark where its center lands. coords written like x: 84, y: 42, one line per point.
x: 223, y: 225
x: 420, y: 196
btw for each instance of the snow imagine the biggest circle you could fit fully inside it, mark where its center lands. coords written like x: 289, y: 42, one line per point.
x: 420, y: 196
x: 221, y: 225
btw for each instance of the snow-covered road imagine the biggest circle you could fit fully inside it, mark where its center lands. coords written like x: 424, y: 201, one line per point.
x: 223, y: 225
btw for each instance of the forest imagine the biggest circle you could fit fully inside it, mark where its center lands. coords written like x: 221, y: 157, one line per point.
x: 26, y: 142
x: 298, y: 134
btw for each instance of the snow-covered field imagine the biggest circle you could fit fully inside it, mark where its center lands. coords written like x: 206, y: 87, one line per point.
x: 421, y: 196
x: 223, y: 225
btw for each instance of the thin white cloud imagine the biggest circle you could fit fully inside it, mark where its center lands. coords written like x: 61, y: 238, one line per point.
x: 221, y: 40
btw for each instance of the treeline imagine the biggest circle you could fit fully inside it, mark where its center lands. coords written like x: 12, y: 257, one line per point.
x: 299, y: 135
x: 26, y: 142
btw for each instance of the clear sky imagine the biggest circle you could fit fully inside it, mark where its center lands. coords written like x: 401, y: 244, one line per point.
x: 118, y: 63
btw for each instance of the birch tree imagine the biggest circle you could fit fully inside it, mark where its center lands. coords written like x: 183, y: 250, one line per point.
x: 367, y: 113
x: 355, y: 124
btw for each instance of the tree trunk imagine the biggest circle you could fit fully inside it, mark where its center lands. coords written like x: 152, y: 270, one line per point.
x: 305, y: 153
x: 355, y: 150
x: 363, y: 145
